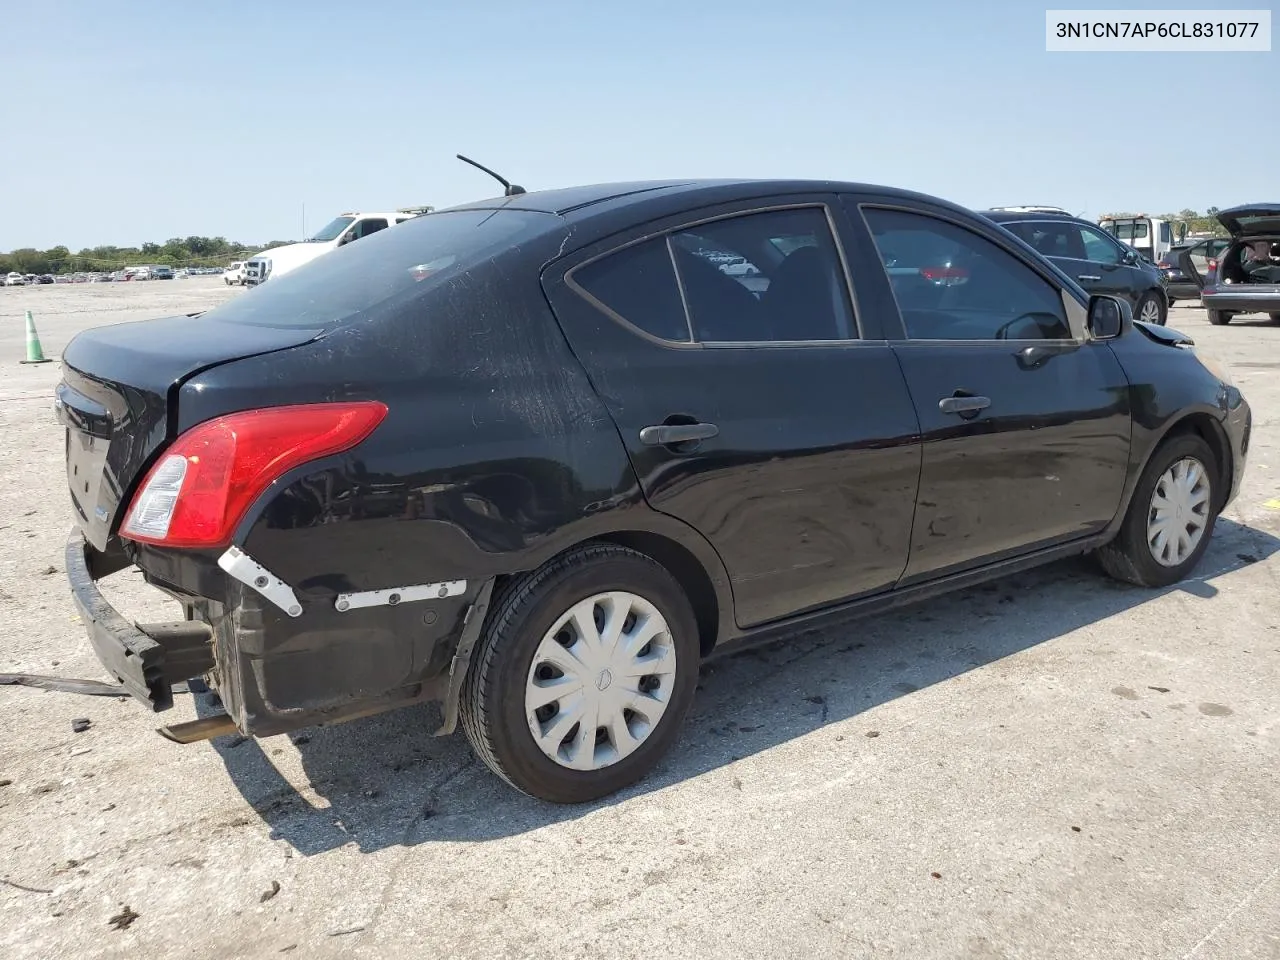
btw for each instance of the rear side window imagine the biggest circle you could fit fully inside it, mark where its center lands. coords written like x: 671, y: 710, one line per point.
x: 952, y: 284
x: 639, y: 285
x: 389, y: 268
x: 770, y: 277
x: 764, y: 277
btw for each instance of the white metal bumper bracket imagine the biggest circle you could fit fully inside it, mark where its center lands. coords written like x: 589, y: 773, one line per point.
x: 248, y: 571
x: 393, y: 595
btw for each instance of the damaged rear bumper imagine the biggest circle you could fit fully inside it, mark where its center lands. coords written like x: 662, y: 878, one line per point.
x: 147, y: 658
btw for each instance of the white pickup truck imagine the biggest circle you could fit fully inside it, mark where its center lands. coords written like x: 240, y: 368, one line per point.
x: 343, y: 229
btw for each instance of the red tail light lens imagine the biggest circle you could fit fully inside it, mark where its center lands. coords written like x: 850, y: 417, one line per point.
x: 199, y: 491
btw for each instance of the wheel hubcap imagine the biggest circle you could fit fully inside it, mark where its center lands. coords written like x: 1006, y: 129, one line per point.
x: 600, y: 680
x: 1150, y: 311
x: 1179, y: 512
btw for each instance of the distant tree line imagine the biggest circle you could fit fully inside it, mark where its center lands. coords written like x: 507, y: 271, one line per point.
x: 178, y: 252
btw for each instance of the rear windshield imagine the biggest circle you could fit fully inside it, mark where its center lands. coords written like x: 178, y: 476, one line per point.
x: 1266, y: 223
x: 388, y: 266
x: 1128, y: 229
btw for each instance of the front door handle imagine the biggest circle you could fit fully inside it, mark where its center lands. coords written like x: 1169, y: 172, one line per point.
x: 1087, y: 276
x: 668, y: 434
x: 963, y: 405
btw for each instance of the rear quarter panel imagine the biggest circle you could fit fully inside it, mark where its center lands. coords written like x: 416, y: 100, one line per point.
x: 495, y: 455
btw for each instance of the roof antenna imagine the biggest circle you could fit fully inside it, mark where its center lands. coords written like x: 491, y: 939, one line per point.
x: 509, y: 189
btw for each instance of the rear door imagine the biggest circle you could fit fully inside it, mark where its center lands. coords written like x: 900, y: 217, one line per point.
x: 1025, y: 421
x: 1196, y: 261
x: 757, y: 401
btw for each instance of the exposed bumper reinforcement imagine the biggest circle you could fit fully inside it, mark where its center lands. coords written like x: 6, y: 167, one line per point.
x: 147, y: 658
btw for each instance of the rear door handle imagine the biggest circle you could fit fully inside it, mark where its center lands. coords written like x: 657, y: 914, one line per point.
x: 963, y: 405
x: 1087, y: 276
x: 670, y: 433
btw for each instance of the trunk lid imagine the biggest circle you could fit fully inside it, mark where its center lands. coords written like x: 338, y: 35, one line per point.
x: 1251, y: 219
x: 116, y: 399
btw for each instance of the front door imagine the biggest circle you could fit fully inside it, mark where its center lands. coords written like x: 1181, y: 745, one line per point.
x: 753, y: 400
x: 1025, y: 421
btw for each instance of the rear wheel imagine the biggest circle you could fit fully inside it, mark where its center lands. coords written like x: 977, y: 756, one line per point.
x: 1151, y: 309
x: 1170, y: 518
x: 1219, y: 317
x: 584, y: 675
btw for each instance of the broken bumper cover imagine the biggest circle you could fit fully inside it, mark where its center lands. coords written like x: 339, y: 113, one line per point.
x: 146, y: 658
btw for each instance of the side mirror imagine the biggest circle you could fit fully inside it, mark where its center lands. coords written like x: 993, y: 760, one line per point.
x: 1130, y: 257
x: 1107, y: 316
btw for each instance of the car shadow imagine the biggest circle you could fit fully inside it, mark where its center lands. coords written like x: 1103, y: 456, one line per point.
x: 1252, y: 320
x: 385, y: 781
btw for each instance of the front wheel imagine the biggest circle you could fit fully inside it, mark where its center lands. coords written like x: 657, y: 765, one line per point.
x: 1151, y: 310
x: 584, y: 675
x: 1219, y: 318
x: 1171, y: 516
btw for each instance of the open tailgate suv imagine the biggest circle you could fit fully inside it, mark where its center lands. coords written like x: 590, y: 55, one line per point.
x: 1246, y: 278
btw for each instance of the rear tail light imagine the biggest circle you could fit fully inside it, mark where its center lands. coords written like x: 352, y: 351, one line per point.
x: 199, y: 491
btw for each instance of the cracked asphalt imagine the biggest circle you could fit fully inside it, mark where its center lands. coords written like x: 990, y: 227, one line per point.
x: 1050, y: 766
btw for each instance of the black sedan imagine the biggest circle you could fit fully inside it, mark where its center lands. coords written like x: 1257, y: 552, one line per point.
x: 535, y: 457
x: 1093, y: 258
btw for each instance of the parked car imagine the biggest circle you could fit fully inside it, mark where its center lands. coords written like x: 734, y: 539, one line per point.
x: 1180, y: 286
x: 15, y: 279
x: 234, y: 274
x: 1089, y: 255
x: 161, y: 272
x: 536, y: 460
x: 344, y: 229
x: 1245, y: 278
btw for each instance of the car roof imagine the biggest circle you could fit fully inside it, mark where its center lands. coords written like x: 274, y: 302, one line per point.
x: 1002, y: 216
x: 573, y: 203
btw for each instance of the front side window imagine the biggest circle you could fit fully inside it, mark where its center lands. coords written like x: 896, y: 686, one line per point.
x: 764, y: 277
x: 952, y: 284
x: 365, y: 227
x: 1098, y: 247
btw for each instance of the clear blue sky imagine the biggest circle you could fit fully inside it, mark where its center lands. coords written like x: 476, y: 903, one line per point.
x: 141, y: 121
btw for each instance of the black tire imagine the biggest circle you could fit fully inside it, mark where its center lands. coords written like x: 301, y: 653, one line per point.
x: 1162, y: 309
x: 1219, y: 318
x: 492, y: 704
x: 1275, y: 317
x: 1128, y: 557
